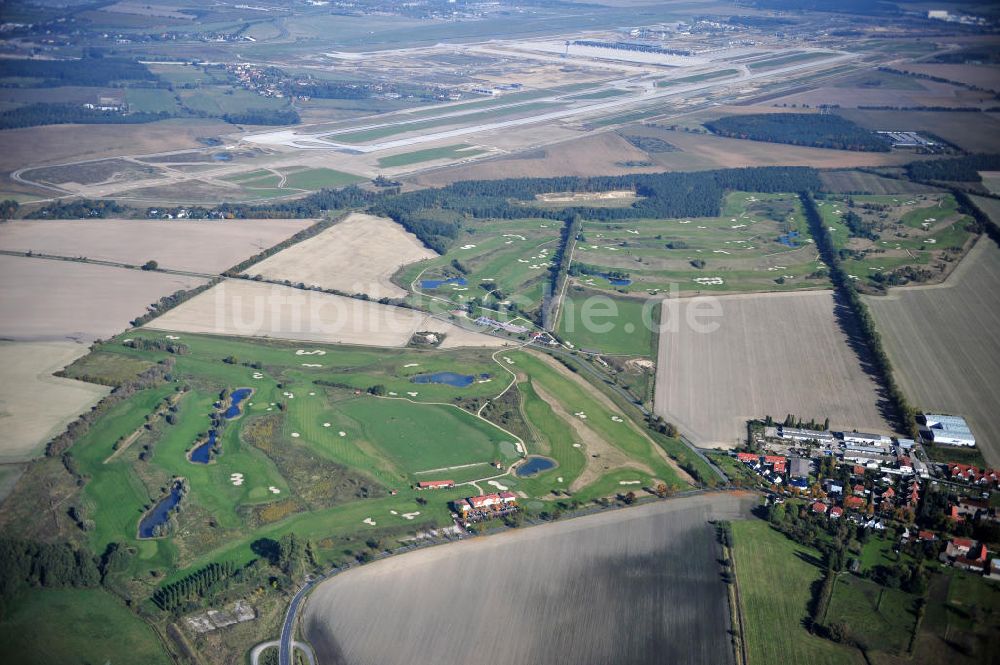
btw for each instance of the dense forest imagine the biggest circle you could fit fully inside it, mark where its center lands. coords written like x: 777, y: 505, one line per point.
x: 263, y: 117
x: 808, y: 129
x: 88, y: 71
x: 958, y: 169
x: 33, y: 115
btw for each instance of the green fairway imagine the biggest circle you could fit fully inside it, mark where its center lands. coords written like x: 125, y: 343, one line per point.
x: 504, y: 262
x: 457, y: 151
x: 619, y: 326
x: 908, y: 238
x: 760, y: 242
x: 76, y: 627
x: 418, y: 437
x: 776, y: 577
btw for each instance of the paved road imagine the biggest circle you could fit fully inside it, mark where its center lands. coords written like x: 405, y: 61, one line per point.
x: 288, y: 627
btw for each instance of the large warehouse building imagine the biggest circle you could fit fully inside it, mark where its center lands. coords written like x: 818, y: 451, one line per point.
x: 950, y: 430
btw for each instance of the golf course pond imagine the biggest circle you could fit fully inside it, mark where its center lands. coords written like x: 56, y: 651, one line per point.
x: 448, y: 378
x: 159, y: 514
x: 202, y: 454
x: 238, y: 396
x: 534, y: 465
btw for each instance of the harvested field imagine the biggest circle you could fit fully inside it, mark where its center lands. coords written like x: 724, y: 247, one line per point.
x: 982, y: 76
x: 357, y: 255
x: 44, y: 300
x: 34, y: 405
x: 252, y: 309
x: 61, y: 143
x: 653, y: 588
x: 763, y: 354
x: 699, y: 151
x: 975, y: 132
x: 196, y: 245
x: 950, y: 333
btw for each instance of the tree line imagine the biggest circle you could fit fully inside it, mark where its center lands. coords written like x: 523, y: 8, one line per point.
x: 842, y: 284
x: 956, y: 169
x: 807, y: 129
x: 88, y: 71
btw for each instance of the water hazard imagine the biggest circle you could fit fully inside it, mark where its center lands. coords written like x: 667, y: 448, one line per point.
x: 534, y: 465
x: 160, y: 513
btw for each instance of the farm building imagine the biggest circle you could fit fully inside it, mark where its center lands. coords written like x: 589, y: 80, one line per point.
x: 797, y: 434
x: 950, y: 430
x: 800, y: 467
x: 435, y: 484
x: 866, y: 439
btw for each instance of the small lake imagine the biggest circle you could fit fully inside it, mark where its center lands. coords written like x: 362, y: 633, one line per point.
x: 615, y: 281
x: 448, y: 378
x: 238, y: 396
x: 203, y: 453
x: 534, y: 465
x: 789, y: 239
x: 436, y: 283
x: 160, y: 513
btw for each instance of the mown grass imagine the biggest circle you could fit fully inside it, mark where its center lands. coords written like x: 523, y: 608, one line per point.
x: 457, y: 151
x: 76, y: 626
x: 617, y: 326
x: 776, y: 578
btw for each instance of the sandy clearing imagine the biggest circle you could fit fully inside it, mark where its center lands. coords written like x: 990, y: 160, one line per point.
x: 34, y: 405
x: 944, y: 343
x: 253, y: 309
x: 653, y: 587
x: 357, y: 255
x: 208, y: 246
x: 44, y: 300
x: 771, y: 354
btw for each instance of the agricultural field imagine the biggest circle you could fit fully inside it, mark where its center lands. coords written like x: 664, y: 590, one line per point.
x: 206, y: 246
x: 457, y: 151
x: 773, y: 613
x: 960, y: 625
x: 949, y: 332
x: 889, y: 240
x: 76, y: 626
x: 34, y: 405
x: 971, y: 131
x: 848, y: 182
x: 662, y: 594
x: 43, y: 299
x: 499, y: 263
x: 356, y: 255
x: 761, y: 242
x: 724, y: 360
x: 252, y: 309
x: 880, y: 618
